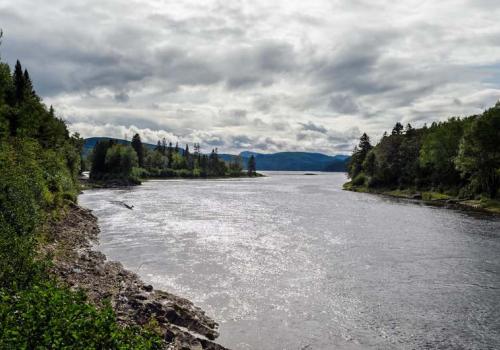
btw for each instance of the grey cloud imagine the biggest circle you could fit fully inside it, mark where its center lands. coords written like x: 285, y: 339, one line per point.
x: 122, y: 97
x: 313, y: 127
x: 263, y: 75
x: 343, y: 103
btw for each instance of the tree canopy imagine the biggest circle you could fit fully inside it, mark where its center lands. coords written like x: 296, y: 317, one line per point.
x: 458, y: 156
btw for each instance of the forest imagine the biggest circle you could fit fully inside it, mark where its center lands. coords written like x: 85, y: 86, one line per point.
x: 457, y: 158
x: 115, y: 163
x: 40, y: 162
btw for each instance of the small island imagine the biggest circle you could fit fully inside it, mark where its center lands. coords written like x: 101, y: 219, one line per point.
x: 117, y: 164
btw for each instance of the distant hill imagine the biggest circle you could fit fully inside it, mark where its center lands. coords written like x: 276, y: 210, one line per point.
x: 286, y: 161
x: 296, y: 161
x: 90, y: 143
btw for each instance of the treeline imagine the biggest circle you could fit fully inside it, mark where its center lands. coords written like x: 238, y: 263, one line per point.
x: 111, y: 161
x: 39, y: 167
x: 459, y: 157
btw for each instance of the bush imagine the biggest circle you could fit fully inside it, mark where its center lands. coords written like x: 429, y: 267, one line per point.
x: 46, y: 316
x: 359, y: 180
x: 23, y: 193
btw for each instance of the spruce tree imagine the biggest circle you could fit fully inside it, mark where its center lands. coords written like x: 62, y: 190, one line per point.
x: 358, y: 157
x: 251, y: 166
x: 139, y: 149
x: 398, y: 129
x: 19, y: 83
x: 170, y: 155
x: 29, y: 90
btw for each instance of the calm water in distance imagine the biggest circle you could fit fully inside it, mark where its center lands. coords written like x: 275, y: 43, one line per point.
x: 293, y: 262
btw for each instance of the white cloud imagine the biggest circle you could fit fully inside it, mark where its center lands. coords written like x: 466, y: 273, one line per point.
x: 261, y: 75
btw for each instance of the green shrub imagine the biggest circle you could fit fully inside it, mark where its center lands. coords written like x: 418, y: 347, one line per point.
x: 359, y: 180
x: 46, y: 316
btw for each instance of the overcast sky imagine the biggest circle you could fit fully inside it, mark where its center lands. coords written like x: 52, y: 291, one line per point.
x: 256, y: 75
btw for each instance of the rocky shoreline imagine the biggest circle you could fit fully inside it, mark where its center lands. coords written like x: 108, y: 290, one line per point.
x: 448, y: 202
x: 181, y: 324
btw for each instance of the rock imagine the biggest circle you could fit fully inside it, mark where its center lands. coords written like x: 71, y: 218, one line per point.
x: 140, y: 296
x: 183, y: 324
x: 416, y: 196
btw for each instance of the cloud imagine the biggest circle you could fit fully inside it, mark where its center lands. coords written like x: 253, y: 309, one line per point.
x: 265, y: 76
x: 343, y: 103
x: 313, y: 127
x: 122, y: 97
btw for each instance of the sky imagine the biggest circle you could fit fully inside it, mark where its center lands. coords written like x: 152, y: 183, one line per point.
x: 265, y: 76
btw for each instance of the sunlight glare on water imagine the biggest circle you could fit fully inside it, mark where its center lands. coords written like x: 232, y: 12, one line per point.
x: 293, y: 262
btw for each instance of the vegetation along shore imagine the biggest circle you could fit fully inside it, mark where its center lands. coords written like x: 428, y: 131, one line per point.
x: 456, y: 162
x: 55, y: 291
x: 115, y: 164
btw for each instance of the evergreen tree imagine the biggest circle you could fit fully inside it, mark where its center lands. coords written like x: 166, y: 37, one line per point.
x: 158, y: 146
x: 98, y: 165
x: 19, y: 83
x: 359, y: 154
x: 409, y: 131
x: 251, y: 166
x: 138, y: 148
x: 170, y: 155
x: 163, y: 146
x: 398, y: 129
x: 29, y: 89
x: 479, y: 153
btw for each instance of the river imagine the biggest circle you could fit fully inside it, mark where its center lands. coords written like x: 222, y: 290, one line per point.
x: 290, y: 261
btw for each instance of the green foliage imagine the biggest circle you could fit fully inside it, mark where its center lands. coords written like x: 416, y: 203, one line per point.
x: 439, y: 150
x: 235, y: 167
x: 39, y: 165
x: 114, y: 164
x: 120, y: 159
x: 251, y: 166
x: 479, y: 153
x: 359, y: 154
x: 138, y: 148
x: 111, y: 161
x: 459, y: 156
x: 359, y: 180
x: 50, y: 317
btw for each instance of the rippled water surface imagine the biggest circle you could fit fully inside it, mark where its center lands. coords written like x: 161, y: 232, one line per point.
x: 293, y: 262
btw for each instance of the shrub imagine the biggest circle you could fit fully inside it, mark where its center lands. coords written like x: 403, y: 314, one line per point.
x: 46, y: 316
x: 359, y: 180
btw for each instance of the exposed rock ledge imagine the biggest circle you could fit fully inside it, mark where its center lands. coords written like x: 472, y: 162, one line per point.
x: 183, y: 325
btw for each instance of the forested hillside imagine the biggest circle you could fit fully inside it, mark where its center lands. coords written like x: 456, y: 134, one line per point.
x: 456, y: 158
x: 39, y: 165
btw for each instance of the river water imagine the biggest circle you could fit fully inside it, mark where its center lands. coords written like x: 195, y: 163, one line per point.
x: 290, y: 261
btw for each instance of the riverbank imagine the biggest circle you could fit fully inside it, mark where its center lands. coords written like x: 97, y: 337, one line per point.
x: 433, y: 198
x: 181, y: 324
